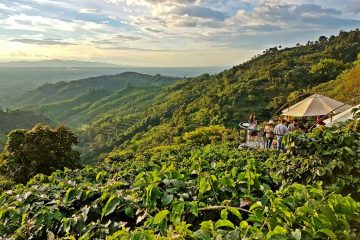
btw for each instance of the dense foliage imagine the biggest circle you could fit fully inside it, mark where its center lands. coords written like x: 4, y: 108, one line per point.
x: 186, y: 192
x: 345, y: 88
x: 159, y: 115
x: 136, y: 111
x: 39, y: 150
x: 335, y: 155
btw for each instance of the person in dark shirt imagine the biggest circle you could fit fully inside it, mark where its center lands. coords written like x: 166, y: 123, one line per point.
x: 293, y: 126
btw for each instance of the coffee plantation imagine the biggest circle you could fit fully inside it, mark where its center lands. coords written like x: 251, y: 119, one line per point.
x: 213, y: 191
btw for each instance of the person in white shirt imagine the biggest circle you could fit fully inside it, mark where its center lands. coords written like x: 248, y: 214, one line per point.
x: 280, y: 130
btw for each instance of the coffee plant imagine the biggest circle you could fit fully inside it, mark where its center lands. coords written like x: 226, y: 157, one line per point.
x: 208, y: 192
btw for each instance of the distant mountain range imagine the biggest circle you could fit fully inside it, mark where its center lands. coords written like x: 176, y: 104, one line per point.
x: 50, y: 93
x: 56, y: 63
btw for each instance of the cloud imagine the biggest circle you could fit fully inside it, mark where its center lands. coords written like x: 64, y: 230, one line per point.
x: 89, y: 10
x: 110, y: 26
x: 200, y: 12
x: 154, y: 30
x: 123, y: 48
x: 128, y: 38
x: 42, y: 41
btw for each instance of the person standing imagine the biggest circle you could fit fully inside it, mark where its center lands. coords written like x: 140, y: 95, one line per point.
x: 252, y: 125
x: 280, y: 131
x: 293, y: 126
x: 269, y: 134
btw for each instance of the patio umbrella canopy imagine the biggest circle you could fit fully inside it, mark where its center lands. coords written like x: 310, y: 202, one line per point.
x: 346, y: 115
x: 315, y: 105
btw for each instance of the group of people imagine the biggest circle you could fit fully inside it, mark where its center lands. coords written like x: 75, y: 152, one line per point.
x: 277, y: 131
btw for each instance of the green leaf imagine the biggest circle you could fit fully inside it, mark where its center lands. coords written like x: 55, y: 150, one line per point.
x: 244, y: 224
x: 204, y: 186
x: 129, y: 212
x: 229, y: 182
x: 278, y: 231
x: 328, y: 233
x: 194, y: 208
x: 178, y: 208
x: 235, y: 212
x: 351, y: 152
x: 224, y: 223
x: 296, y: 234
x: 234, y: 171
x: 72, y: 195
x: 167, y: 199
x: 255, y: 205
x: 110, y: 206
x: 224, y: 214
x: 159, y: 217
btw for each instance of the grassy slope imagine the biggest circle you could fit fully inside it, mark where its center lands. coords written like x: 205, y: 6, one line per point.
x: 345, y: 88
x: 143, y: 119
x: 259, y: 86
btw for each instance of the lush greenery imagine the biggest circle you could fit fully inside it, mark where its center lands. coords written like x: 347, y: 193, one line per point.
x: 345, y: 88
x: 39, y: 150
x: 225, y: 98
x: 143, y: 113
x: 175, y: 171
x: 187, y: 192
x: 50, y: 93
x: 335, y: 155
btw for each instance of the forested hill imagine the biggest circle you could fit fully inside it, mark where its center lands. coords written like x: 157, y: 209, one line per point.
x: 142, y: 117
x: 59, y: 91
x: 258, y: 86
x: 345, y: 88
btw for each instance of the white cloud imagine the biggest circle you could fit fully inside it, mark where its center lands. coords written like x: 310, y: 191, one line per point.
x: 167, y: 26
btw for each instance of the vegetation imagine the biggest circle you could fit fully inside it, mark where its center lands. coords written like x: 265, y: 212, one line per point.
x: 226, y: 98
x: 334, y: 158
x: 40, y: 150
x: 141, y: 116
x: 50, y: 93
x: 172, y: 168
x: 187, y: 192
x: 345, y: 88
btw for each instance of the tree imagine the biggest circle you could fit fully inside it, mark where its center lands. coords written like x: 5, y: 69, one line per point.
x: 40, y: 150
x: 322, y: 39
x: 327, y: 69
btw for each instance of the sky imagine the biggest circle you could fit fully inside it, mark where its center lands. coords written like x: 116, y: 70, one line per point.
x: 165, y: 33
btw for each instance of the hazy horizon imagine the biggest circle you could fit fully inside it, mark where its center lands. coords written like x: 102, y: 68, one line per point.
x: 165, y: 33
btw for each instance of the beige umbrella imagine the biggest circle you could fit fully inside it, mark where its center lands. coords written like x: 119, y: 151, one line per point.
x: 315, y: 105
x: 346, y: 115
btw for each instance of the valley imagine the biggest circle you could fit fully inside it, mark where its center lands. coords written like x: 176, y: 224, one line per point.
x: 150, y: 156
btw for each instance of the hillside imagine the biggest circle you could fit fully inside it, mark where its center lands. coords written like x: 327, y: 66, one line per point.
x: 201, y: 193
x: 59, y: 91
x: 258, y: 86
x: 142, y: 118
x: 345, y: 88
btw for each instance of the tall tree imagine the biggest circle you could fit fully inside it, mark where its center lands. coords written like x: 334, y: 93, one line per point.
x: 40, y: 150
